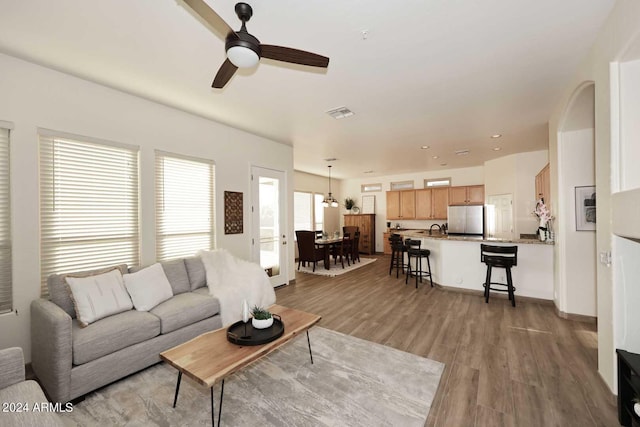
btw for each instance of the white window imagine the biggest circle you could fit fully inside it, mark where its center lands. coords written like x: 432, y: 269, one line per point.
x: 318, y: 212
x: 439, y: 182
x: 302, y: 210
x: 184, y: 205
x: 368, y: 188
x: 308, y: 212
x: 403, y: 185
x: 6, y: 301
x: 88, y: 204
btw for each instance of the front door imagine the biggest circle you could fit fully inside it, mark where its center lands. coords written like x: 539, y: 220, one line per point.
x: 269, y: 223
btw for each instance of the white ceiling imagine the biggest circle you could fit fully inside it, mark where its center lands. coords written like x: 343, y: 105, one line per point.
x: 443, y: 73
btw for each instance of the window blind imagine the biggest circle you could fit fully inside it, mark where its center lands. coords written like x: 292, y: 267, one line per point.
x: 185, y: 220
x: 88, y: 205
x: 6, y: 300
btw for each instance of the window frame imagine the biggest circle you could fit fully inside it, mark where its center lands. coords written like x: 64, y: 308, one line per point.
x: 70, y: 166
x: 160, y: 197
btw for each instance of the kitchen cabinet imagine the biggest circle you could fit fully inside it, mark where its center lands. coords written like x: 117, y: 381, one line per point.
x: 401, y: 204
x: 366, y: 224
x: 431, y: 203
x: 543, y: 185
x: 466, y: 195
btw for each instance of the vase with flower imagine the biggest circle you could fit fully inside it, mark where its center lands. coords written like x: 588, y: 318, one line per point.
x: 545, y: 218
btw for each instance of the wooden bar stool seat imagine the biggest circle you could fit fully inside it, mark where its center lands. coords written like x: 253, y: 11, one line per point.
x: 499, y: 257
x: 417, y: 254
x: 398, y: 250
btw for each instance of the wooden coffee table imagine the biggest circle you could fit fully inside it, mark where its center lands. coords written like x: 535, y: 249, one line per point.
x: 210, y: 357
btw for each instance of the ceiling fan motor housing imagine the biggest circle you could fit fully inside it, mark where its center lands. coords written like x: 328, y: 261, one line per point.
x: 243, y: 39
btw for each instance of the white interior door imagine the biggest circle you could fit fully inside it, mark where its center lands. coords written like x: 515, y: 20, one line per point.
x: 499, y: 216
x: 269, y: 222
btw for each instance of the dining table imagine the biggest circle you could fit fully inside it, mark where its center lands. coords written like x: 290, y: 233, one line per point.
x: 326, y: 244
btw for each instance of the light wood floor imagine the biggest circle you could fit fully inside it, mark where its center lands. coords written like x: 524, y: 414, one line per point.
x: 505, y: 366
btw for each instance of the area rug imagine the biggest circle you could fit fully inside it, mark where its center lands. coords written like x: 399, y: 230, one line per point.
x: 335, y: 269
x: 352, y: 382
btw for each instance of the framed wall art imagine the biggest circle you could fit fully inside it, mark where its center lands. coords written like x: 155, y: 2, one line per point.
x: 233, y: 212
x: 586, y: 208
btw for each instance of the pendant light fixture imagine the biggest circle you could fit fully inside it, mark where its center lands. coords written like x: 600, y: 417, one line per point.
x: 329, y: 201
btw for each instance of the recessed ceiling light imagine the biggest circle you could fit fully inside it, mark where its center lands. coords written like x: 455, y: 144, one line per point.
x: 425, y: 147
x: 340, y: 112
x: 435, y: 157
x: 497, y: 148
x: 496, y: 135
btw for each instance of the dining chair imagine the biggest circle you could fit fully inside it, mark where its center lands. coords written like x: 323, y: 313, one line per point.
x: 307, y: 249
x: 355, y: 247
x: 341, y: 249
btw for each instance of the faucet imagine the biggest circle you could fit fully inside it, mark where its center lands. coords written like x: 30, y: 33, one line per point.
x: 435, y: 225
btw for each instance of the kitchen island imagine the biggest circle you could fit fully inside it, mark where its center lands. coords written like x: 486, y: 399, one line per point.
x: 455, y: 262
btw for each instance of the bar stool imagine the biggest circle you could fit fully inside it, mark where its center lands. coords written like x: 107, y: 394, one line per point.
x: 500, y: 257
x: 414, y: 251
x: 397, y: 254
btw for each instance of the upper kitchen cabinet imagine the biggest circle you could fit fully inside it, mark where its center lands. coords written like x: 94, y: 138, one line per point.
x: 431, y: 203
x: 466, y: 195
x: 401, y: 204
x: 543, y: 185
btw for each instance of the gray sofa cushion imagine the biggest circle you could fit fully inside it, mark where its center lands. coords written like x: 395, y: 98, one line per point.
x: 59, y: 292
x: 111, y: 334
x: 27, y: 392
x: 185, y: 309
x: 195, y: 269
x: 176, y: 273
x: 202, y: 291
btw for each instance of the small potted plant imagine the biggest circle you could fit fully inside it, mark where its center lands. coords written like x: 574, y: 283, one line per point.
x: 349, y: 203
x: 262, y: 319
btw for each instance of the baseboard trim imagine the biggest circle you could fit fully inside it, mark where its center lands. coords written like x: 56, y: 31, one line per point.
x: 493, y: 295
x: 576, y: 317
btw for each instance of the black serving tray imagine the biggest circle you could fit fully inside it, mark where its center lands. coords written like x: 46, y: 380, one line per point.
x: 236, y: 332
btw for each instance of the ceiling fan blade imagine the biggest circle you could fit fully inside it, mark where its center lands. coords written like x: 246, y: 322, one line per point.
x: 216, y: 23
x: 226, y: 71
x: 294, y: 56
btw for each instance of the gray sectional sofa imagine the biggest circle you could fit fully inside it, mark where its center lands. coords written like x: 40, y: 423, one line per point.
x: 70, y: 361
x: 23, y: 402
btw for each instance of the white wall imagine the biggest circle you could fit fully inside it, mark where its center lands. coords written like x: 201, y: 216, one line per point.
x: 630, y: 125
x: 32, y: 96
x: 578, y: 169
x: 515, y: 174
x: 617, y: 34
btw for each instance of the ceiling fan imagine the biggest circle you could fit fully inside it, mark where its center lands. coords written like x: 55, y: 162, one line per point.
x: 243, y: 49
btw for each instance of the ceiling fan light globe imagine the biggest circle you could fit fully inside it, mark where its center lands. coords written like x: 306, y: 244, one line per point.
x: 325, y: 204
x: 242, y: 57
x: 334, y: 204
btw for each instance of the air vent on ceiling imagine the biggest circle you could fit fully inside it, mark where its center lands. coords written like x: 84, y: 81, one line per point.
x: 462, y: 152
x: 340, y: 112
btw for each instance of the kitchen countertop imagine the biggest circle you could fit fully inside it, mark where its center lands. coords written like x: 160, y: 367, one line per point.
x: 424, y: 234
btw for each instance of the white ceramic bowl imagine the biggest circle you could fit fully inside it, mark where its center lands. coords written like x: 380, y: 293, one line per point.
x: 261, y: 323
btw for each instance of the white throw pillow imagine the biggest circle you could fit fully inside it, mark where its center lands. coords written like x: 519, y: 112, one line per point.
x: 96, y: 297
x: 148, y: 287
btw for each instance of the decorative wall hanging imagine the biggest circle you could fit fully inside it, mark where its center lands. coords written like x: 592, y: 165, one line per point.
x: 233, y: 212
x: 586, y: 208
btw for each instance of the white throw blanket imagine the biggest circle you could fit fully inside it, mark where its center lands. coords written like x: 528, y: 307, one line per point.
x: 233, y: 280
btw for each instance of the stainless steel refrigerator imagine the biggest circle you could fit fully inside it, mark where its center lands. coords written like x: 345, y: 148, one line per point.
x: 466, y: 220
